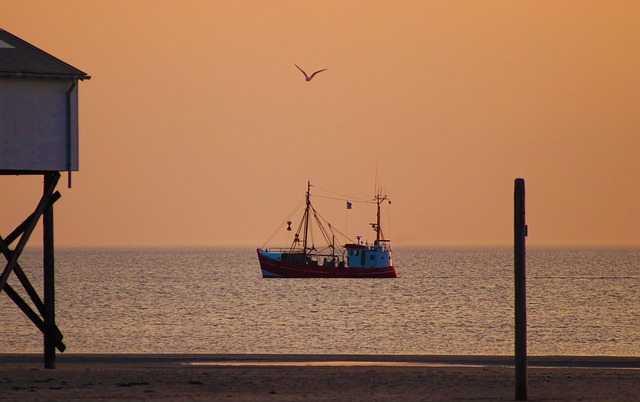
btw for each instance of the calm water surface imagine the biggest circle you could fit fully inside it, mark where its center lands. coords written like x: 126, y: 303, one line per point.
x: 444, y: 301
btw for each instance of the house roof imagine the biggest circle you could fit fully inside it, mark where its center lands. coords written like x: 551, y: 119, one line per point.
x: 21, y: 59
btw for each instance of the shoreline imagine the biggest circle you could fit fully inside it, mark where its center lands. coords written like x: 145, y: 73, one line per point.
x: 182, y: 359
x: 259, y: 377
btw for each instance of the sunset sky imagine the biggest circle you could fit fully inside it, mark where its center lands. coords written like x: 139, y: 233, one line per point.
x: 196, y: 129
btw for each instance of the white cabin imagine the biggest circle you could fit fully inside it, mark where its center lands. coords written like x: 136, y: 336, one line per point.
x: 38, y: 109
x: 369, y: 256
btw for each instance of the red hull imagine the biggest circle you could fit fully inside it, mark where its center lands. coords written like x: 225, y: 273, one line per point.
x: 278, y: 269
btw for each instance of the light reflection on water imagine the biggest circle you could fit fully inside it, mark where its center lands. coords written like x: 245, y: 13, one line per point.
x: 330, y: 364
x: 444, y: 301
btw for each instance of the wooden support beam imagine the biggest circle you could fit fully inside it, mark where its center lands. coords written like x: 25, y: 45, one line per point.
x: 50, y: 181
x: 52, y: 334
x: 33, y: 295
x: 17, y: 232
x: 32, y: 315
x: 8, y: 254
x: 45, y: 201
x: 520, y: 232
x: 11, y: 254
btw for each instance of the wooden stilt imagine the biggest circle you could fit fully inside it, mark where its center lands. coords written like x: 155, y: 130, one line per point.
x: 520, y: 232
x: 46, y: 308
x: 50, y: 180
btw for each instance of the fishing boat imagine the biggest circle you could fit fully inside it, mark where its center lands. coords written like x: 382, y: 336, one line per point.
x: 354, y: 259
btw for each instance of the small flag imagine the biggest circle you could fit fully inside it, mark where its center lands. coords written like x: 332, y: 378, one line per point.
x: 348, y: 205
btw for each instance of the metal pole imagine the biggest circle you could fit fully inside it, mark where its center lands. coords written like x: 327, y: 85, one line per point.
x: 49, y: 279
x: 520, y: 232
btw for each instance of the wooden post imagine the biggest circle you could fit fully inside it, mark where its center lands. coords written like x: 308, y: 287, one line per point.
x: 520, y: 232
x: 45, y: 309
x: 49, y: 318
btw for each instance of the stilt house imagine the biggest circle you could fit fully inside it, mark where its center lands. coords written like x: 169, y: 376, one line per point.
x: 38, y: 136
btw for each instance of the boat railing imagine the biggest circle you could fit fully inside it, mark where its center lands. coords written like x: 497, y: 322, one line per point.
x: 326, y: 259
x: 287, y: 250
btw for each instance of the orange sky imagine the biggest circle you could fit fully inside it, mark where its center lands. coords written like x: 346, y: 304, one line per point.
x: 196, y: 129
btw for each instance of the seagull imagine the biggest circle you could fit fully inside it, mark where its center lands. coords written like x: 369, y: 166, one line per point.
x: 308, y: 78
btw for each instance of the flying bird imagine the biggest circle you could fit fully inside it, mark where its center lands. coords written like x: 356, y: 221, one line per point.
x: 307, y: 77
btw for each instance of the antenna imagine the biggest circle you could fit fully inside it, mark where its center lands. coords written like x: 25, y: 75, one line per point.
x: 375, y: 190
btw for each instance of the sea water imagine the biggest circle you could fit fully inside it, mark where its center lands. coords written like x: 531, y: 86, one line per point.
x: 444, y: 301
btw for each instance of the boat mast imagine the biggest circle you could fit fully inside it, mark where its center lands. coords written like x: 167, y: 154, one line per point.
x: 378, y: 228
x: 306, y: 219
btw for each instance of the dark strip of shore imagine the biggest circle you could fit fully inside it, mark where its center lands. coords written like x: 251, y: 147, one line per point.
x: 295, y: 377
x: 614, y: 362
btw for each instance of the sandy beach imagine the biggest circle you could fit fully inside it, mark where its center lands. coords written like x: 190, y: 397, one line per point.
x: 312, y: 378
